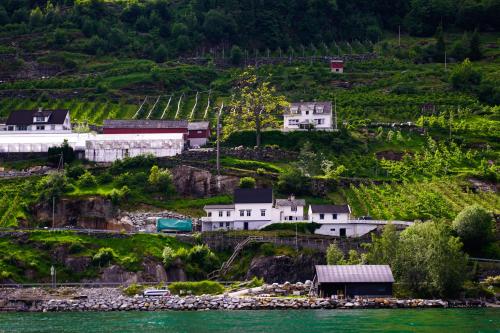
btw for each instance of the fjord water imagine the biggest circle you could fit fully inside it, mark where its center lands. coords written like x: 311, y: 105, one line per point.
x: 282, y: 321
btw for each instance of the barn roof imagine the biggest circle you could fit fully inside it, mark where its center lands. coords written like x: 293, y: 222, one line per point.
x: 198, y: 125
x: 338, y: 209
x: 354, y: 273
x: 144, y: 123
x: 218, y: 207
x: 25, y: 117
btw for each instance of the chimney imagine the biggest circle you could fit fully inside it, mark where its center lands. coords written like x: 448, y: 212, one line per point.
x: 291, y: 197
x: 39, y: 109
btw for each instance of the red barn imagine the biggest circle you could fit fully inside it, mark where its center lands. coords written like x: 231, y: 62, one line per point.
x: 337, y: 66
x: 144, y: 126
x: 199, y: 132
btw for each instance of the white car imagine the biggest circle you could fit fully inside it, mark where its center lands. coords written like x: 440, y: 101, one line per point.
x: 156, y: 292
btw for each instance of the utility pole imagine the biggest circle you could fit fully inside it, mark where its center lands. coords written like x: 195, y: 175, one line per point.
x: 445, y: 62
x: 218, y: 139
x: 53, y: 211
x: 399, y: 35
x: 335, y: 110
x: 296, y: 238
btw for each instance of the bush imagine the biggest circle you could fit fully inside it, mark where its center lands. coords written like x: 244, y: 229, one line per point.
x: 302, y: 227
x: 465, y: 77
x: 474, y: 225
x: 168, y: 256
x: 104, y: 178
x: 160, y: 179
x: 75, y: 171
x: 260, y: 171
x: 129, y: 163
x: 104, y: 256
x: 86, y: 180
x: 247, y: 182
x: 54, y: 153
x: 133, y: 289
x: 196, y: 288
x: 76, y: 248
x: 293, y: 181
x: 334, y: 256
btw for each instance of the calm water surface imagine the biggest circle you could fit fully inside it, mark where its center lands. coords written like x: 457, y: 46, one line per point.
x: 430, y: 320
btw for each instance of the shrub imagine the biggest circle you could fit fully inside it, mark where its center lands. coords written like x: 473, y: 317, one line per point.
x: 86, y: 180
x: 104, y: 256
x: 464, y: 76
x: 133, y: 289
x: 54, y: 153
x: 302, y: 227
x: 168, y: 256
x: 334, y: 256
x: 247, y: 182
x: 75, y: 171
x: 160, y: 179
x: 260, y: 171
x: 474, y: 225
x: 196, y: 288
x: 255, y: 282
x: 76, y: 248
x: 104, y: 178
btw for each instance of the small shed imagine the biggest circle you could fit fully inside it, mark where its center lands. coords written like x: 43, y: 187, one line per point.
x: 354, y: 280
x: 173, y: 225
x: 337, y: 66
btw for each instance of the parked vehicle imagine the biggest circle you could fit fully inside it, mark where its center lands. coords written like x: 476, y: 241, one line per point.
x: 156, y: 292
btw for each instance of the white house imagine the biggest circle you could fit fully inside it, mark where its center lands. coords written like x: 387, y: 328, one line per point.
x: 253, y: 209
x: 309, y: 116
x: 38, y: 121
x: 335, y: 220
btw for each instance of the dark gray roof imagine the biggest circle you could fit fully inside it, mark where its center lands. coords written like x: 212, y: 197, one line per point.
x: 144, y: 123
x: 198, y: 125
x: 339, y: 209
x: 353, y: 273
x: 253, y: 195
x: 290, y: 202
x: 314, y: 107
x: 218, y: 207
x: 25, y: 117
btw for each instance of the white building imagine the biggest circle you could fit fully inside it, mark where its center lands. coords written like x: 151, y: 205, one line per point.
x: 309, y: 116
x: 253, y: 209
x: 112, y: 147
x: 335, y: 220
x: 38, y: 121
x: 97, y: 147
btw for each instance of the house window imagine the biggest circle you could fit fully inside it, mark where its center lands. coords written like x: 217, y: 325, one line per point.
x: 228, y: 213
x: 10, y: 128
x: 307, y: 112
x: 249, y: 212
x: 40, y: 127
x: 209, y: 214
x: 39, y: 119
x: 262, y: 212
x: 334, y: 216
x: 220, y: 213
x: 294, y: 208
x: 332, y: 229
x: 337, y: 70
x: 321, y: 216
x: 227, y: 224
x: 22, y: 128
x: 242, y: 212
x: 221, y: 224
x: 293, y: 121
x: 319, y: 121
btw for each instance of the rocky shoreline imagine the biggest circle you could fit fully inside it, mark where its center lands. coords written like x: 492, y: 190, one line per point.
x: 111, y: 299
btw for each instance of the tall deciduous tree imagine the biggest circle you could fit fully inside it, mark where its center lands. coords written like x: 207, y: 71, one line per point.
x: 256, y: 106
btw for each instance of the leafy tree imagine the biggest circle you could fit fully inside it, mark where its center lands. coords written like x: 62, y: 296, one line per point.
x: 36, y: 17
x: 247, y: 182
x: 4, y: 16
x: 65, y: 150
x: 217, y: 26
x: 475, y: 52
x: 256, y: 106
x: 294, y: 181
x: 430, y: 261
x: 475, y: 226
x: 87, y: 180
x: 464, y: 76
x: 161, y: 54
x: 104, y: 256
x: 331, y: 171
x: 160, y: 179
x: 168, y: 256
x: 52, y: 186
x: 383, y: 249
x: 459, y: 49
x: 440, y: 45
x: 308, y: 162
x: 142, y: 24
x: 334, y: 255
x: 236, y: 55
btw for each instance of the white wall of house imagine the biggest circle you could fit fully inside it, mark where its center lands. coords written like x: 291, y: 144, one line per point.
x: 286, y: 214
x: 355, y: 228
x: 328, y: 217
x: 41, y: 126
x: 320, y: 121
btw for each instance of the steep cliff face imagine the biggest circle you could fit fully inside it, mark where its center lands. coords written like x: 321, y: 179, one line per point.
x: 92, y: 213
x: 196, y: 182
x: 285, y: 268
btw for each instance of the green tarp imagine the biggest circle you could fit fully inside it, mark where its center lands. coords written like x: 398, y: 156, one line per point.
x: 163, y: 224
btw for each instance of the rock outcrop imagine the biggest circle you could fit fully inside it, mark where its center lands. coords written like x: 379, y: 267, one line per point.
x: 284, y: 268
x: 196, y: 182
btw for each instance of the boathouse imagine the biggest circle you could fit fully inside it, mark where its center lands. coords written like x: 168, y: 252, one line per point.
x: 353, y: 280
